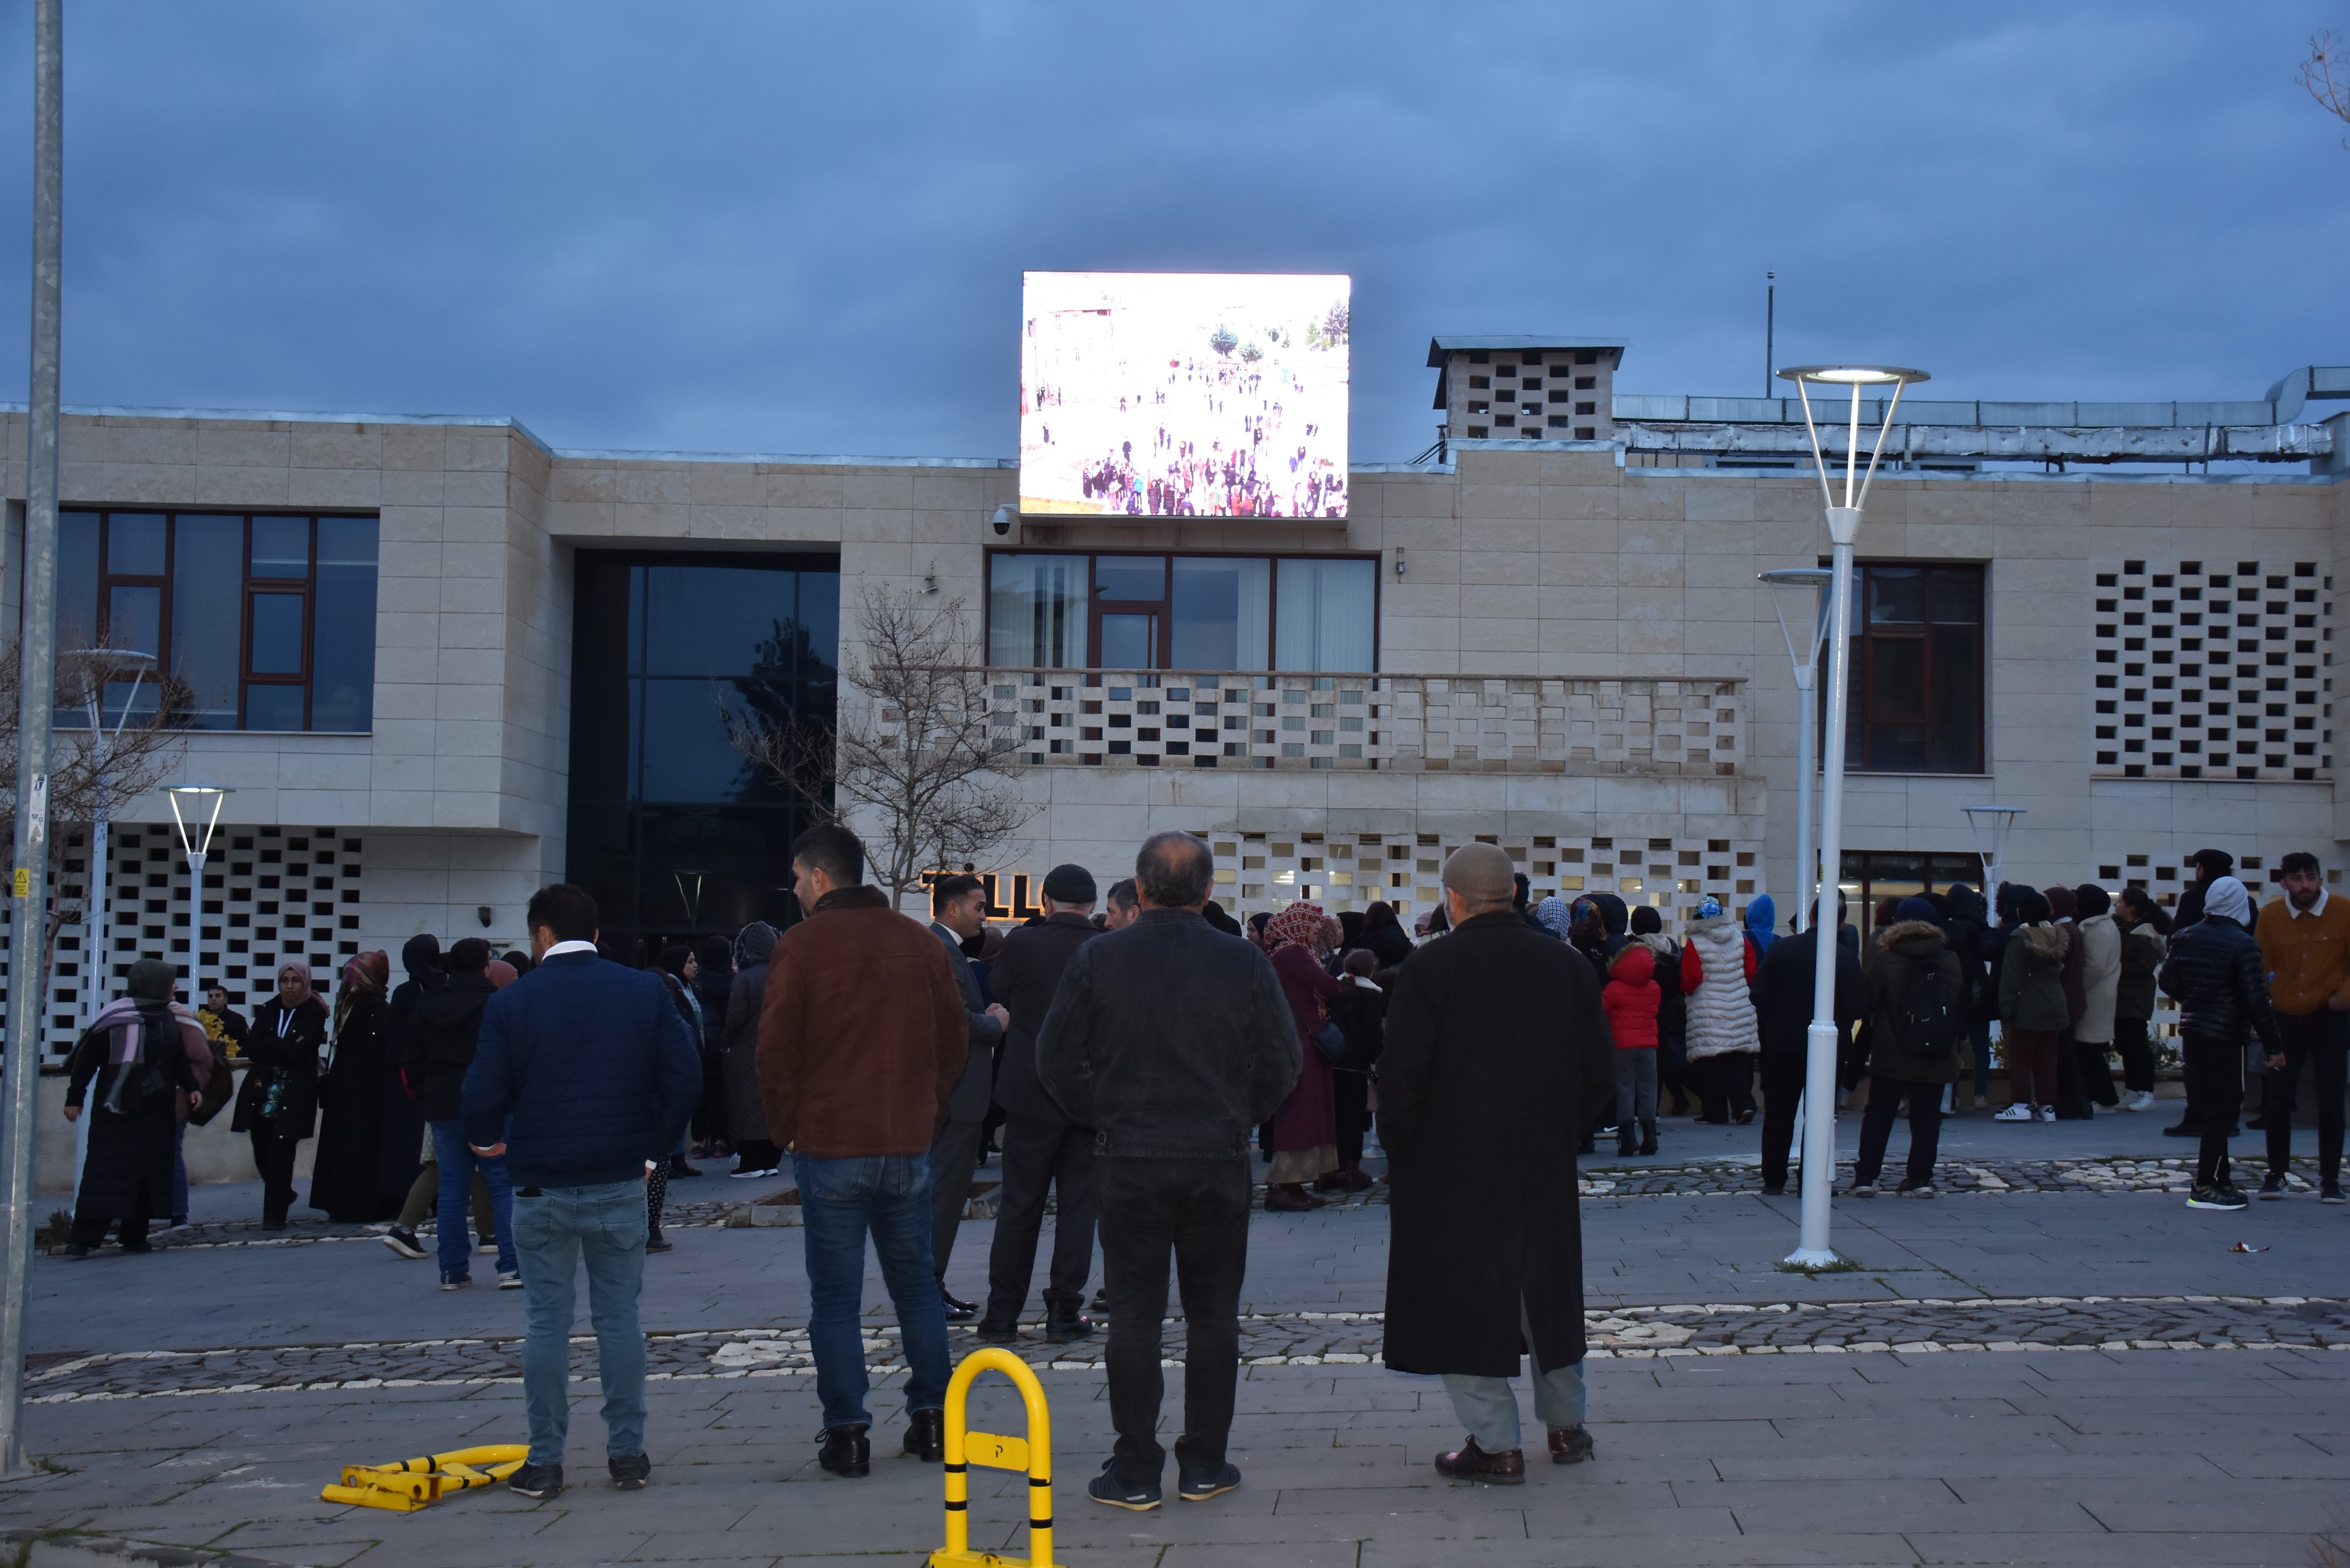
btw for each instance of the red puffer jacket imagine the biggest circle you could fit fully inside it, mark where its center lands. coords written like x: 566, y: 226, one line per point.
x: 1631, y: 997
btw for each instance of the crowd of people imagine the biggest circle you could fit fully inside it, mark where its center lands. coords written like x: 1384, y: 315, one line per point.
x: 1123, y: 1049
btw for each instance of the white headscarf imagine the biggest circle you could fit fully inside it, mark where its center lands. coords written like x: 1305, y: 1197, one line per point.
x: 2226, y: 898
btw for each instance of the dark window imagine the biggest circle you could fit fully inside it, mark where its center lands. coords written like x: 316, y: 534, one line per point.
x: 675, y: 832
x: 1241, y: 613
x: 1917, y: 670
x: 269, y: 618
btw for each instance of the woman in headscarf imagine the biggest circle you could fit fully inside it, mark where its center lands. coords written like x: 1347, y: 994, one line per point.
x: 279, y: 1102
x: 1759, y: 914
x: 344, y: 1180
x: 756, y: 1153
x: 1383, y: 935
x: 151, y: 1060
x: 713, y: 985
x: 679, y: 970
x: 1305, y: 1128
x: 403, y: 1144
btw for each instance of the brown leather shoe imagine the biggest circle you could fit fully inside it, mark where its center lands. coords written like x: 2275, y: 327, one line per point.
x: 1473, y: 1463
x: 1570, y: 1445
x: 1290, y: 1198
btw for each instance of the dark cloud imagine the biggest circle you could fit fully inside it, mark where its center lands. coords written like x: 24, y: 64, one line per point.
x: 772, y: 227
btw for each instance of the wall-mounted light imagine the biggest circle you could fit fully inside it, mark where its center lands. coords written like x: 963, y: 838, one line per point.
x: 1399, y: 560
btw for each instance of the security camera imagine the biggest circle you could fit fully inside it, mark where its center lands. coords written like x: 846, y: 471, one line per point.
x: 1004, y: 516
x: 482, y: 913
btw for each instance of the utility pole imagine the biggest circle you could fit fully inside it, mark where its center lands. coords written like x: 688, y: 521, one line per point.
x: 29, y: 932
x: 1770, y: 330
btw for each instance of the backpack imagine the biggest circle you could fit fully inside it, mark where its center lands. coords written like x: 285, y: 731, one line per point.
x: 1928, y: 1021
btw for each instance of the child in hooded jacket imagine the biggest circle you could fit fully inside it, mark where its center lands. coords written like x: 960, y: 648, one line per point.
x: 1632, y: 997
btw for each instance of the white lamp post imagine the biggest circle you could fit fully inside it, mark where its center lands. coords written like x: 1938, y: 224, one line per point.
x: 1844, y: 531
x: 94, y: 902
x: 1991, y: 825
x: 196, y: 808
x: 1806, y: 665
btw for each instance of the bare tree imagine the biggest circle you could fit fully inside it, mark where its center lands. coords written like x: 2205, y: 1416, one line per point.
x: 919, y: 748
x: 88, y: 766
x: 2328, y: 55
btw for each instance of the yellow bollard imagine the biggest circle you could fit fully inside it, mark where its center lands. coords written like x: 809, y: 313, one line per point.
x: 1032, y: 1453
x: 406, y: 1484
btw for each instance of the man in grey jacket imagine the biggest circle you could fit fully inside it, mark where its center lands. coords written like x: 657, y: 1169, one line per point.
x: 959, y: 912
x: 1172, y: 1041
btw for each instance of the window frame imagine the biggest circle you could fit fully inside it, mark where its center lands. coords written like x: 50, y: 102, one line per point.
x: 1861, y: 688
x: 250, y: 587
x: 1163, y: 607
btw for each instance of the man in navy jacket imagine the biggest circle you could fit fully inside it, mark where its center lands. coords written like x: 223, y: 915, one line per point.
x: 584, y: 1074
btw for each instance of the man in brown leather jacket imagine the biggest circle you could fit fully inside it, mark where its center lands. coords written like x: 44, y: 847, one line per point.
x: 860, y: 1041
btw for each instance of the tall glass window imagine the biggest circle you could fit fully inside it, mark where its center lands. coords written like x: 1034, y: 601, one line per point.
x: 1917, y: 670
x: 1325, y: 614
x: 1223, y: 612
x: 676, y: 832
x: 1037, y: 611
x: 268, y: 616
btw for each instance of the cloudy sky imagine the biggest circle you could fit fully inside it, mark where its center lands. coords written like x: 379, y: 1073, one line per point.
x: 780, y: 227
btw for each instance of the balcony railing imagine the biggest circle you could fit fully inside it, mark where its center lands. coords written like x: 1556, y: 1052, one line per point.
x: 1426, y: 723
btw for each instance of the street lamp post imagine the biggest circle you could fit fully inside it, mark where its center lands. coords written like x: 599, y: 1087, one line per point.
x: 108, y: 662
x: 1844, y: 531
x: 196, y: 809
x: 1991, y: 825
x: 1807, y: 666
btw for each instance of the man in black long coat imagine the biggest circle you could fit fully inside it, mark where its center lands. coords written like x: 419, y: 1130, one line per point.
x: 1497, y: 1053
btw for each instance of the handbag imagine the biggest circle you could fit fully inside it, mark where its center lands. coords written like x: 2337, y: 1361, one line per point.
x: 1330, y: 1043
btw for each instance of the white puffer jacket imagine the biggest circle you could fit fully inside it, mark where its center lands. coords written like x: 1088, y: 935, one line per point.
x: 1720, y: 1012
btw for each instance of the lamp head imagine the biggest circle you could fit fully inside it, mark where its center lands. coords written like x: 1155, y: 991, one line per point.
x: 1854, y: 375
x: 1796, y: 577
x: 196, y: 809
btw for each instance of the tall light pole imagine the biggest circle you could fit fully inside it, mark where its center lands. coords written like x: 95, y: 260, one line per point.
x: 106, y: 662
x: 1807, y: 666
x: 1991, y: 825
x: 37, y: 662
x: 196, y: 809
x: 1844, y: 532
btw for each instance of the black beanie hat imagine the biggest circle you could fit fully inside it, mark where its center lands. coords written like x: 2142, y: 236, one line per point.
x: 1069, y: 884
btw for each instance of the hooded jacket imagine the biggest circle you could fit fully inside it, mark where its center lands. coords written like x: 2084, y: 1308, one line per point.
x: 437, y: 1047
x: 2141, y: 955
x: 738, y: 1033
x: 2101, y: 965
x: 1716, y: 965
x: 1759, y: 914
x: 1900, y: 947
x: 1631, y: 997
x: 2032, y: 979
x: 2215, y: 974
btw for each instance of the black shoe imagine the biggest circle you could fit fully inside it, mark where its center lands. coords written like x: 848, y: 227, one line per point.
x: 1587, y: 1147
x: 958, y: 1309
x: 75, y: 1250
x: 2330, y: 1193
x: 1648, y: 1137
x: 535, y: 1482
x: 999, y: 1332
x: 1778, y: 1191
x: 629, y: 1471
x: 926, y: 1436
x: 2182, y: 1130
x: 1101, y: 1299
x: 138, y: 1247
x: 2218, y: 1198
x: 403, y: 1241
x: 1200, y: 1485
x: 1627, y: 1145
x: 1743, y: 1118
x: 1107, y: 1487
x: 659, y: 1244
x: 2272, y: 1186
x: 1061, y: 1328
x: 846, y: 1451
x: 679, y: 1170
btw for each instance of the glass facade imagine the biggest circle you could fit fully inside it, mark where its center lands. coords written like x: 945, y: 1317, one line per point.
x: 269, y: 618
x: 1239, y: 613
x: 676, y: 833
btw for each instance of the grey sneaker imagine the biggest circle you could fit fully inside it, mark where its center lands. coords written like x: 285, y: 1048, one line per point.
x: 1914, y: 1189
x: 2272, y: 1187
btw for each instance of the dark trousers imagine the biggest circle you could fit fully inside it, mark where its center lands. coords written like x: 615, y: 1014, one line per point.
x: 1725, y: 1086
x: 2321, y: 1041
x: 274, y: 1155
x: 1885, y: 1097
x: 1783, y: 1085
x: 2031, y: 1067
x: 1040, y: 1155
x: 2136, y: 1053
x: 89, y: 1223
x: 954, y: 1155
x: 1351, y: 1093
x: 2096, y: 1074
x: 1197, y: 1211
x: 2215, y: 1086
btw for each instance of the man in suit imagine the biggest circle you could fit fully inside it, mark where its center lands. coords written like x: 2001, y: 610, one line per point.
x: 1042, y: 1148
x: 590, y: 1073
x: 959, y: 912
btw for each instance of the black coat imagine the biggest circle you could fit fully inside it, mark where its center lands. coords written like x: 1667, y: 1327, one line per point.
x: 1027, y: 973
x: 1782, y: 993
x: 974, y: 1090
x: 438, y: 1043
x: 292, y: 1060
x: 1497, y: 1056
x: 2215, y: 974
x: 348, y: 1176
x: 1388, y: 944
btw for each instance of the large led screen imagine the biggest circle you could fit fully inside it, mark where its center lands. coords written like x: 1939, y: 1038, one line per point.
x: 1183, y: 394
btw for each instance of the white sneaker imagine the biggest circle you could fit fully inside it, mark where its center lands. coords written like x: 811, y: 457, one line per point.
x: 2142, y: 1100
x: 2047, y: 1113
x: 2018, y: 1112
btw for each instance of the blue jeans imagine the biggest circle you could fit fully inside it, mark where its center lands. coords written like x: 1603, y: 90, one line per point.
x: 604, y: 1226
x: 458, y: 1162
x: 840, y: 1201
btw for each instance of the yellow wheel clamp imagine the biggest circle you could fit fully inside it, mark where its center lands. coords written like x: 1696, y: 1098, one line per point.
x: 965, y: 1448
x: 411, y: 1484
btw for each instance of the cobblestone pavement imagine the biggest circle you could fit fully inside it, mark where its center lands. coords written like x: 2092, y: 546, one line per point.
x: 1704, y: 1178
x: 1283, y: 1339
